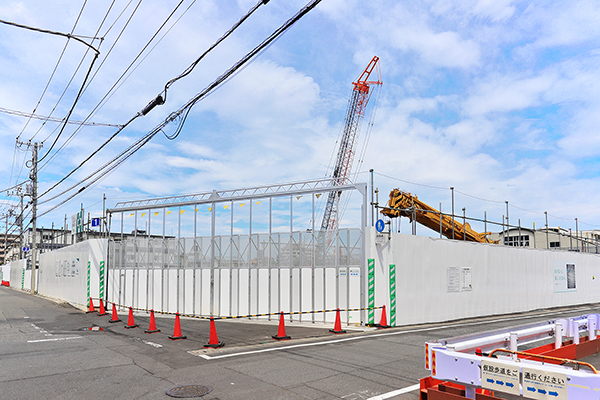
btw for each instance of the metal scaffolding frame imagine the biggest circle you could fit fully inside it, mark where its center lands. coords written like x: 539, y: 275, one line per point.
x: 314, y: 188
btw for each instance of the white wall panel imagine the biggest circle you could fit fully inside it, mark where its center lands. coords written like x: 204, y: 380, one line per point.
x: 63, y: 273
x: 504, y: 279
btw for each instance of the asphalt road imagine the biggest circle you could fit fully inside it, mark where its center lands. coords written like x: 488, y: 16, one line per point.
x: 48, y: 351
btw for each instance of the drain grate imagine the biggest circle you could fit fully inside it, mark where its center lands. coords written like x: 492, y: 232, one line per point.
x: 189, y: 391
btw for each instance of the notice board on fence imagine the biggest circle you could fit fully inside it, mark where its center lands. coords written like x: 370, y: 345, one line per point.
x: 458, y: 279
x: 564, y: 277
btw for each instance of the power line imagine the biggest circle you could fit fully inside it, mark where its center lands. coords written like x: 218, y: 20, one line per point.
x: 189, y: 69
x: 67, y: 35
x: 118, y: 160
x: 53, y: 119
x: 92, y: 78
x: 13, y: 187
x: 71, y: 110
x: 157, y: 101
x: 52, y: 76
x: 121, y: 77
x: 76, y: 71
x: 43, y: 93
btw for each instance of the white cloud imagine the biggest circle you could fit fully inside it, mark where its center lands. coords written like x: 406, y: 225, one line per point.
x: 496, y: 10
x: 287, y: 94
x: 583, y: 138
x: 496, y: 98
x: 562, y: 23
x: 504, y: 93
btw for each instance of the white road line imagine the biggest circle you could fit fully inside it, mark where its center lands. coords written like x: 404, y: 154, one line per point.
x: 55, y: 339
x: 377, y: 335
x: 158, y: 346
x: 396, y: 392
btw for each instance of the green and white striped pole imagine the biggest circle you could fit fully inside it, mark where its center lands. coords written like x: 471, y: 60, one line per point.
x: 371, y: 284
x: 392, y: 295
x: 89, y: 272
x: 101, y: 289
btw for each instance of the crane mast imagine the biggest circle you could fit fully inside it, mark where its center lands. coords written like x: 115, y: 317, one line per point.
x: 345, y: 156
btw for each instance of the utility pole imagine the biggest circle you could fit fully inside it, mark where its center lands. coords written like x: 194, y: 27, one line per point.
x: 33, y: 176
x: 21, y: 194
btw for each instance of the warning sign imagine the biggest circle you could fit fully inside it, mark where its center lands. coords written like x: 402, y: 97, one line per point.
x: 543, y: 385
x: 500, y: 376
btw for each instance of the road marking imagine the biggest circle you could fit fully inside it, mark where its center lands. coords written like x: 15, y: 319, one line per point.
x: 158, y: 346
x: 396, y: 392
x: 54, y: 340
x: 377, y: 335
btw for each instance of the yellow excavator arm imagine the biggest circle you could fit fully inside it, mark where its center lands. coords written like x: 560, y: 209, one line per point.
x: 406, y: 205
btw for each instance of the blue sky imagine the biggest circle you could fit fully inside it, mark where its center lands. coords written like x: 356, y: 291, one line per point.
x: 499, y: 99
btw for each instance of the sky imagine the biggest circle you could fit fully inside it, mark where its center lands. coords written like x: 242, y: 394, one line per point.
x: 498, y: 99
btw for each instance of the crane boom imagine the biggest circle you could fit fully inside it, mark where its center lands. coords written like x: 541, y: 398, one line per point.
x: 345, y: 156
x: 406, y: 205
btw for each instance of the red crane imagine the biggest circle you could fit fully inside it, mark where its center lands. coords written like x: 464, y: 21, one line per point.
x: 352, y: 124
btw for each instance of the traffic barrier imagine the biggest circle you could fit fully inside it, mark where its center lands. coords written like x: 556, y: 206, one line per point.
x: 281, y: 332
x: 337, y: 327
x: 130, y: 322
x: 152, y: 327
x: 91, y: 307
x: 383, y: 323
x: 177, y: 330
x: 102, y: 311
x: 115, y: 317
x: 213, y: 340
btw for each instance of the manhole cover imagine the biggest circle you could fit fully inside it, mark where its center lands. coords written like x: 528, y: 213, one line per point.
x: 189, y: 391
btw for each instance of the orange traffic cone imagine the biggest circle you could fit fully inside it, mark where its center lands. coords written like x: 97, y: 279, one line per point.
x: 213, y: 340
x: 115, y: 317
x: 177, y: 331
x: 102, y: 311
x: 383, y: 323
x: 130, y: 322
x: 152, y: 327
x: 91, y: 307
x: 281, y: 332
x: 337, y: 327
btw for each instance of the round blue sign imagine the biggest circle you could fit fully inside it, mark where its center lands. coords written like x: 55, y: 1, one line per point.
x: 379, y: 225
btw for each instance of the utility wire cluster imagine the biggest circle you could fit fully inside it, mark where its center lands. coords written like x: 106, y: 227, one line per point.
x: 178, y: 116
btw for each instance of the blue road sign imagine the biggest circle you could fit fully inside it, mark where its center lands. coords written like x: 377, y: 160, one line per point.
x: 25, y: 248
x: 379, y: 225
x: 95, y: 221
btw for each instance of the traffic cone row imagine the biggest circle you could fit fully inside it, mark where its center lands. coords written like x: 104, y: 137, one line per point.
x: 213, y: 341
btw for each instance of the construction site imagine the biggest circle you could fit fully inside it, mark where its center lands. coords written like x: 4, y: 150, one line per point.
x: 350, y: 277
